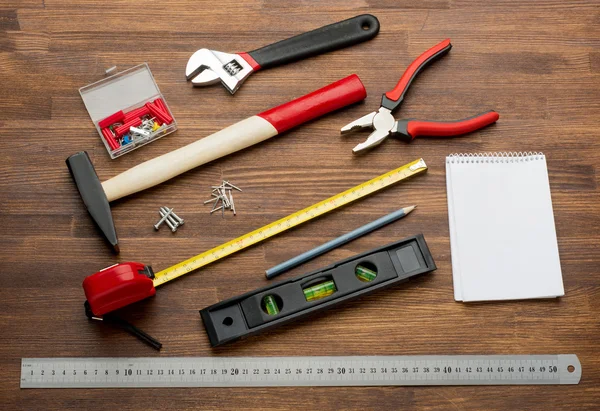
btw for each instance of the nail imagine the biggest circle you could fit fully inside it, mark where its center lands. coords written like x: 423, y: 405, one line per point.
x: 232, y: 204
x: 231, y: 185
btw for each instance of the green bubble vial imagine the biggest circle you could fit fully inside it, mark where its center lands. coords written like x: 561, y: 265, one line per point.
x: 270, y: 305
x: 318, y: 291
x: 365, y: 274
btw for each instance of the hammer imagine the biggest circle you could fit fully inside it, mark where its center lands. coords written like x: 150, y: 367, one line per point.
x: 97, y: 195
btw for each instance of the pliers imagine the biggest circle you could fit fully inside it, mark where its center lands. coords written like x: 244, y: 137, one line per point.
x: 384, y: 124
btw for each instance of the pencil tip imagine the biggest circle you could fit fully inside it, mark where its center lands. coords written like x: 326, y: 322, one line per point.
x: 408, y: 209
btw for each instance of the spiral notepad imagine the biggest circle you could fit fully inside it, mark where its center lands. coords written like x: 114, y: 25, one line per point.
x: 502, y: 234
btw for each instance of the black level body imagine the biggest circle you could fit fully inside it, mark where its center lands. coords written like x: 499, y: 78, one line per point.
x: 280, y: 303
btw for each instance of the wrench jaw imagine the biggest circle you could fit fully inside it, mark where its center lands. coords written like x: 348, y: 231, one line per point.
x: 207, y: 67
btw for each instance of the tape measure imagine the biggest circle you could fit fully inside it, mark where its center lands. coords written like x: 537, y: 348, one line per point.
x: 292, y: 220
x: 300, y: 371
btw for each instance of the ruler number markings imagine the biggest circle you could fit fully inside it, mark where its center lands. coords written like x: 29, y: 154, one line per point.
x: 290, y: 371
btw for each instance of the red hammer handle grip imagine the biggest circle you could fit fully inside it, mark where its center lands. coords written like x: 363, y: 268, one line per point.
x: 451, y: 128
x: 344, y: 92
x: 415, y: 67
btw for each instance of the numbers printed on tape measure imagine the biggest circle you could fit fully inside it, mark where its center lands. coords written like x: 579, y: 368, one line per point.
x: 299, y: 371
x: 302, y: 216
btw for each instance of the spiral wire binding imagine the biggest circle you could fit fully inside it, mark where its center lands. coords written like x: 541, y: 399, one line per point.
x: 495, y: 157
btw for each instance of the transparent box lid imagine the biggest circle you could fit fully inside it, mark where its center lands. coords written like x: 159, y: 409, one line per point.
x: 119, y: 92
x: 124, y: 91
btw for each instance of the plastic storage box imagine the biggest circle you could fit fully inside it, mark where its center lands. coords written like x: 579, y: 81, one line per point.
x: 128, y: 99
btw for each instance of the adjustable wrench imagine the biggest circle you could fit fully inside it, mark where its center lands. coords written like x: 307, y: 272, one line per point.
x: 207, y: 67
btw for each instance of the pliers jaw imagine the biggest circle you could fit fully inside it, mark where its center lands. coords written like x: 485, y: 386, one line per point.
x: 207, y: 67
x: 374, y: 139
x: 381, y: 121
x: 362, y: 123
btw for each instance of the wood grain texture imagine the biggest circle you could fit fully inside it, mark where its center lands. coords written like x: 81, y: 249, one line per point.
x: 536, y: 62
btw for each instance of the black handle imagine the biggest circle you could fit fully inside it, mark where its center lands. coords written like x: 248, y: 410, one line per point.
x: 112, y: 319
x: 133, y: 330
x: 328, y: 38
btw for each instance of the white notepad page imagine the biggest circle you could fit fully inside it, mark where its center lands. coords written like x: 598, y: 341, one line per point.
x: 502, y: 234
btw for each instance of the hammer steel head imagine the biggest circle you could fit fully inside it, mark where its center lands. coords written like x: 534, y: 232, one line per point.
x: 93, y: 195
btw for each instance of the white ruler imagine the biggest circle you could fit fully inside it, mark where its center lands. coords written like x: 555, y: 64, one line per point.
x: 299, y: 371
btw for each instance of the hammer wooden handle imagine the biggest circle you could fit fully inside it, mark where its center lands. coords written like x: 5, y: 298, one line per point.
x: 238, y: 136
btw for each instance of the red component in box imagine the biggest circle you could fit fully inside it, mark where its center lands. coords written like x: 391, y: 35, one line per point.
x: 117, y: 286
x: 112, y: 119
x: 110, y: 139
x: 138, y: 112
x: 124, y: 129
x: 159, y: 114
x: 161, y: 105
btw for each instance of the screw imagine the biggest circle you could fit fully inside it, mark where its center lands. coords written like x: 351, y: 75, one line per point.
x: 163, y: 211
x: 174, y: 224
x: 176, y: 218
x: 157, y: 225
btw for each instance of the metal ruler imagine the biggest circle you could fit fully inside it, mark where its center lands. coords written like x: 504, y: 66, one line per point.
x: 290, y: 221
x: 300, y: 371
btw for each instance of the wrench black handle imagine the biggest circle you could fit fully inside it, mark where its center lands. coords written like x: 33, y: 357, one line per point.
x: 322, y: 40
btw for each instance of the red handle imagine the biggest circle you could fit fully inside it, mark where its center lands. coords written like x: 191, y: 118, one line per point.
x: 340, y: 94
x: 415, y: 67
x: 451, y: 128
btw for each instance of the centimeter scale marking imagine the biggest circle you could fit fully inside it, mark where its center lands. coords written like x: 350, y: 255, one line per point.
x: 290, y: 221
x: 300, y: 371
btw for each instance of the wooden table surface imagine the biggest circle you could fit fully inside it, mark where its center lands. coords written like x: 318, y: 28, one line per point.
x: 536, y: 63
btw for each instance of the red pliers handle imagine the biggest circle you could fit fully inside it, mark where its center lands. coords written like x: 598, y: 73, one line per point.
x: 408, y: 129
x: 393, y: 99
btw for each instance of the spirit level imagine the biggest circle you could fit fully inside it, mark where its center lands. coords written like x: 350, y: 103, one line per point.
x: 300, y: 371
x: 290, y: 300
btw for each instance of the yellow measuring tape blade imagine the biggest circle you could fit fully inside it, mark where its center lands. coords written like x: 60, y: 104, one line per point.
x: 292, y: 220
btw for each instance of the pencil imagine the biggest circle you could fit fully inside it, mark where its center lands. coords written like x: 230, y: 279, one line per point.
x: 336, y: 242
